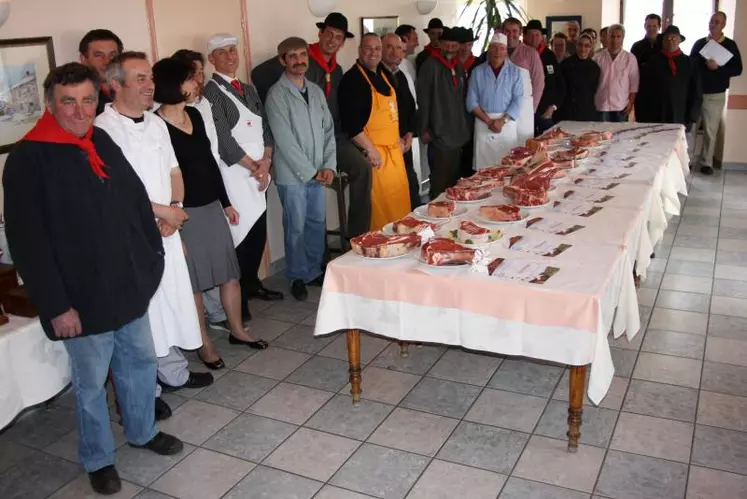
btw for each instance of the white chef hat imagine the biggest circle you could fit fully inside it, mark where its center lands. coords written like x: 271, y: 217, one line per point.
x: 499, y: 38
x: 220, y: 40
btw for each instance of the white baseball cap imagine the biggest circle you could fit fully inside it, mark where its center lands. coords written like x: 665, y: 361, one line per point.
x: 499, y: 38
x: 220, y: 40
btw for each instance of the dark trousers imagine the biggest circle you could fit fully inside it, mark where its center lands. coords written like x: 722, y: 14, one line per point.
x: 468, y: 155
x: 445, y: 168
x: 249, y: 253
x: 612, y: 116
x: 351, y: 161
x: 412, y: 180
x: 541, y: 125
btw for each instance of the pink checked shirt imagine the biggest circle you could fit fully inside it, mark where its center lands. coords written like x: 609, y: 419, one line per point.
x: 528, y: 58
x: 618, y: 80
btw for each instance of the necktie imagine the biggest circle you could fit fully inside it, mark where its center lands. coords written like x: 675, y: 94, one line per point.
x: 237, y: 85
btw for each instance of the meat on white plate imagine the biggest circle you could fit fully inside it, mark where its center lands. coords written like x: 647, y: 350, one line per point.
x: 441, y: 209
x: 376, y: 244
x: 441, y: 251
x: 500, y: 212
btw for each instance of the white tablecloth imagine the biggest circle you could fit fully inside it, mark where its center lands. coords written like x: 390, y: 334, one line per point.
x: 567, y: 318
x: 33, y: 369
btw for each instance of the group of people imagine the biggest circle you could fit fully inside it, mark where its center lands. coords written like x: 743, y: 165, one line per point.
x: 135, y: 208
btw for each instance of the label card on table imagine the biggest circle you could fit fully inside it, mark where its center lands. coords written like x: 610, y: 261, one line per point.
x: 592, y: 197
x: 595, y: 183
x: 537, y: 246
x: 611, y: 173
x: 579, y: 209
x: 518, y: 270
x: 553, y: 226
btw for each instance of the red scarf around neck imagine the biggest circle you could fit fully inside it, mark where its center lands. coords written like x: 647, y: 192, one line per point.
x: 542, y: 47
x: 431, y: 49
x: 48, y: 130
x: 450, y: 65
x: 467, y: 65
x: 315, y: 51
x: 670, y: 58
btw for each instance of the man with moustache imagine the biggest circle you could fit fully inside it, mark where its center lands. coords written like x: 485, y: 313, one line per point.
x: 554, y: 91
x: 245, y: 149
x: 305, y: 162
x: 443, y: 122
x: 325, y: 72
x: 85, y: 242
x: 434, y: 30
x: 97, y: 48
x: 494, y: 98
x: 369, y: 115
x: 172, y: 314
x: 391, y: 61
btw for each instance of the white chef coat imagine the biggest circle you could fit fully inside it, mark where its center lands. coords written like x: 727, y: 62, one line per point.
x: 419, y: 150
x: 147, y: 147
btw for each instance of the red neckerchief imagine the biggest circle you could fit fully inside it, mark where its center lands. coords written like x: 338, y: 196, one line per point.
x: 467, y: 65
x: 431, y: 49
x: 48, y: 130
x: 105, y: 90
x: 450, y: 65
x: 670, y: 58
x: 541, y: 48
x: 315, y: 51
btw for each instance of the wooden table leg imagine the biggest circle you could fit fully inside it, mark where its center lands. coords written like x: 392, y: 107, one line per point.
x: 404, y: 349
x: 575, y: 406
x: 354, y: 358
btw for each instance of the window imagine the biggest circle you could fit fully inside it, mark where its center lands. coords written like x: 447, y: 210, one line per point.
x: 634, y: 16
x: 691, y: 16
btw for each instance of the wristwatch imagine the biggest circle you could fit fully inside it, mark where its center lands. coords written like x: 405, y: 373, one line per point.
x: 178, y: 204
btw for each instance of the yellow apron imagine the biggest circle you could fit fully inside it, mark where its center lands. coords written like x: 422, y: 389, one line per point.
x: 390, y: 195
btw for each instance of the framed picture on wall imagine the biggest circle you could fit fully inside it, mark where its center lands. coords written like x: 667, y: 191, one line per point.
x: 559, y: 24
x: 24, y: 63
x: 379, y: 25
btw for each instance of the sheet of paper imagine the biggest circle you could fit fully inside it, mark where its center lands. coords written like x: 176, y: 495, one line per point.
x: 591, y: 197
x: 717, y: 52
x: 555, y: 226
x: 594, y: 183
x: 518, y: 270
x: 538, y: 246
x: 575, y: 208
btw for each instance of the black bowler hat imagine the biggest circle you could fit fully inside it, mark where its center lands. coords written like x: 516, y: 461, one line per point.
x: 535, y: 24
x: 469, y: 35
x: 451, y: 35
x: 434, y: 23
x: 673, y: 30
x: 337, y: 21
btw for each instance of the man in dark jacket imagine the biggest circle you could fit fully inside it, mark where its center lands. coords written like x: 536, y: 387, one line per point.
x: 434, y: 30
x: 715, y: 80
x: 443, y: 122
x: 97, y: 48
x: 554, y: 91
x: 670, y: 90
x: 392, y: 54
x: 83, y: 238
x: 650, y: 44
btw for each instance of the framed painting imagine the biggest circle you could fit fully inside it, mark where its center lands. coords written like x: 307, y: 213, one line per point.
x: 559, y: 24
x: 379, y: 25
x: 24, y: 64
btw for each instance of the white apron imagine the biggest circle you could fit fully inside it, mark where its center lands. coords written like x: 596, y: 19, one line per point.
x: 490, y: 147
x: 417, y: 147
x: 243, y: 189
x: 147, y: 147
x: 525, y: 123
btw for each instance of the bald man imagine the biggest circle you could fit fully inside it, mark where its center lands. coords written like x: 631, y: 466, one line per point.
x: 393, y: 51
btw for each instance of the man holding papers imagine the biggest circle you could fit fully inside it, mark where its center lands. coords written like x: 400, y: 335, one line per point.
x: 716, y: 68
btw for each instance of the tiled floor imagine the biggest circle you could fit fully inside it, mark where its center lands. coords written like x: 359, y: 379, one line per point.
x: 453, y: 424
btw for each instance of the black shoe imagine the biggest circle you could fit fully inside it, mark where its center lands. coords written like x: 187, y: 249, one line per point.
x: 257, y: 345
x: 264, y: 294
x: 213, y: 366
x: 163, y: 411
x: 195, y: 380
x: 298, y: 290
x: 162, y: 444
x: 105, y: 481
x: 706, y: 170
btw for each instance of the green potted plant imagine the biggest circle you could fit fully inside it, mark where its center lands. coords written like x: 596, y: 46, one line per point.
x: 485, y: 15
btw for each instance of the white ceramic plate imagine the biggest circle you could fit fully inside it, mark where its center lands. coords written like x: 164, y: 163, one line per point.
x: 423, y: 262
x: 536, y: 207
x: 422, y: 212
x: 474, y: 201
x: 522, y: 213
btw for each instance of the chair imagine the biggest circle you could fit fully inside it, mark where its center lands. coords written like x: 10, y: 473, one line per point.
x: 338, y: 185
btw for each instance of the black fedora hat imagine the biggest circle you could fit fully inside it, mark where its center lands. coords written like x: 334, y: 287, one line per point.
x: 451, y: 35
x: 337, y: 21
x: 469, y: 35
x: 673, y: 30
x: 434, y: 23
x: 535, y: 24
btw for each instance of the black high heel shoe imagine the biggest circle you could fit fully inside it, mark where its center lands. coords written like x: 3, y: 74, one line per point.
x: 257, y: 345
x: 213, y: 366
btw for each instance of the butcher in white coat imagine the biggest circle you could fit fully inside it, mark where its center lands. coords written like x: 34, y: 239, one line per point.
x: 145, y: 142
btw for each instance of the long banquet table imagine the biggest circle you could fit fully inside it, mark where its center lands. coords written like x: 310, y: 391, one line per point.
x: 611, y: 211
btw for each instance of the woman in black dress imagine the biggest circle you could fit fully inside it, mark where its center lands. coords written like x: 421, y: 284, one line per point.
x: 581, y: 75
x: 210, y: 254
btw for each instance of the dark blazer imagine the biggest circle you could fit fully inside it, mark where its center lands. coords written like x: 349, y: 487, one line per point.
x: 581, y: 78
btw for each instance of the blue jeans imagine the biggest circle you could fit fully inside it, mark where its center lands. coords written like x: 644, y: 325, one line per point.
x: 132, y: 356
x: 612, y: 116
x: 304, y: 229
